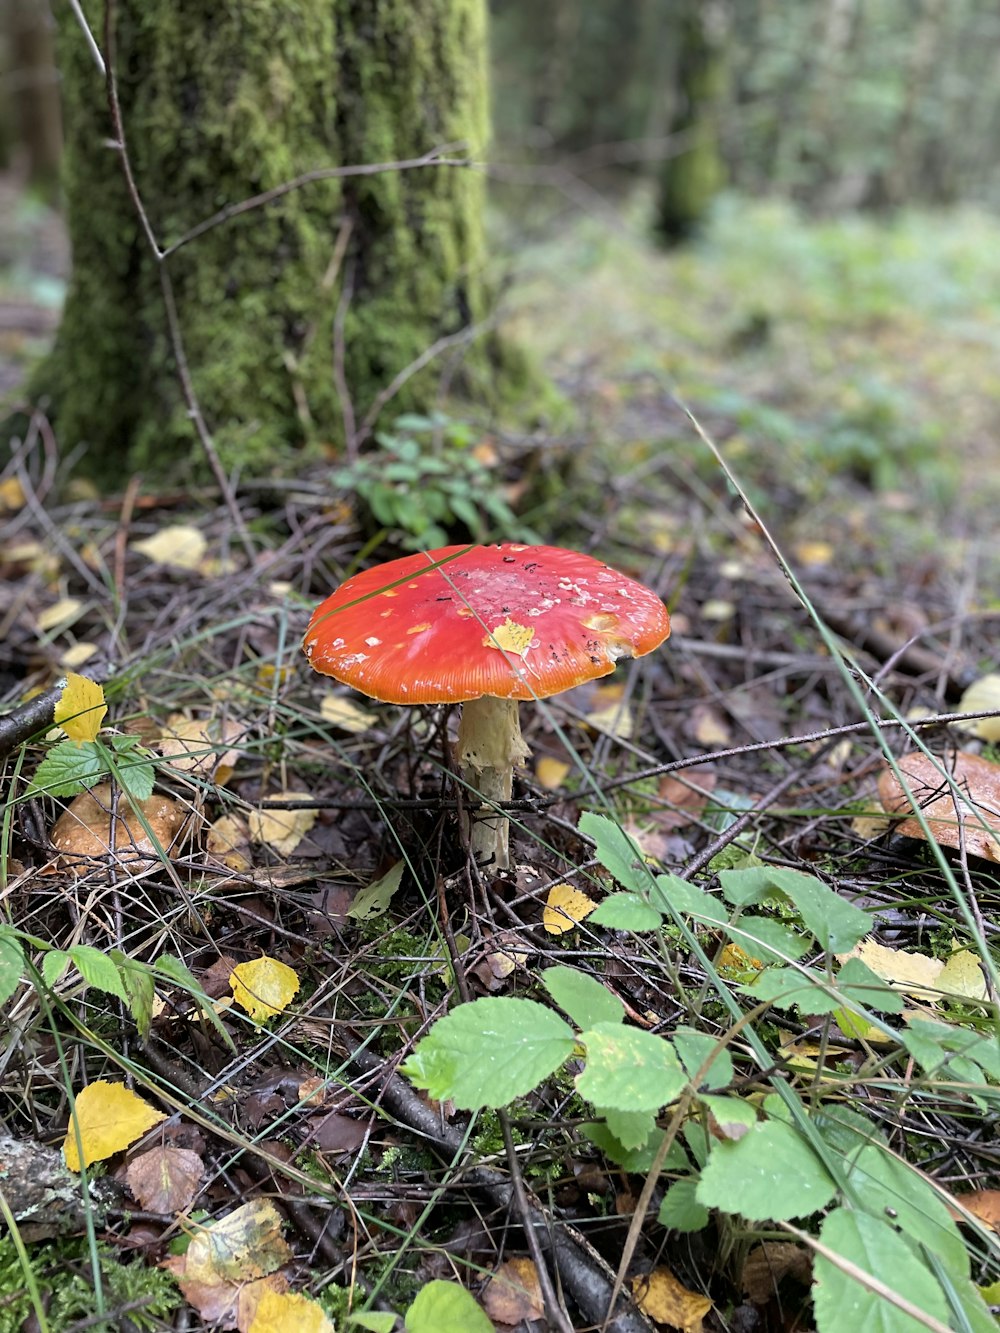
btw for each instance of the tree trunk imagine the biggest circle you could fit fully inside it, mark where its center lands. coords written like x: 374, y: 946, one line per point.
x: 691, y: 177
x: 221, y: 103
x: 32, y: 93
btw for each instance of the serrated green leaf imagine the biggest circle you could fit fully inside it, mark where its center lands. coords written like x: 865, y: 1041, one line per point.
x: 634, y: 1160
x: 845, y: 1130
x: 138, y: 983
x: 694, y: 1048
x: 731, y: 1114
x: 843, y: 1305
x: 670, y: 891
x: 374, y: 900
x: 857, y: 983
x: 135, y: 773
x: 680, y: 1209
x: 174, y: 970
x: 887, y: 1187
x: 582, y: 997
x: 68, y: 768
x: 632, y: 1129
x: 836, y: 923
x: 626, y: 911
x: 619, y: 854
x: 98, y: 970
x: 54, y: 964
x: 764, y: 938
x: 490, y: 1051
x: 445, y: 1307
x: 795, y: 988
x: 770, y: 1173
x: 628, y: 1069
x: 11, y: 965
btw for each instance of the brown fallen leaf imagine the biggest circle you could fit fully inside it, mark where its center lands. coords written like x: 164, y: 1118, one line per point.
x: 663, y: 1298
x: 685, y: 798
x: 165, y: 1180
x: 514, y: 1294
x: 984, y: 1204
x: 956, y: 810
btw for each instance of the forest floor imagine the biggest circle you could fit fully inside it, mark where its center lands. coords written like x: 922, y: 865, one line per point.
x: 842, y: 578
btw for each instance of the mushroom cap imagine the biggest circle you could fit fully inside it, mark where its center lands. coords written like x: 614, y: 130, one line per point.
x: 512, y: 622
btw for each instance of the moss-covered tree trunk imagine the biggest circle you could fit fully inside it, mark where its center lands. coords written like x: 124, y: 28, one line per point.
x: 221, y: 102
x: 691, y: 178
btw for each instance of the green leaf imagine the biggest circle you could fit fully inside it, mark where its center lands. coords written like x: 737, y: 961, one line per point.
x: 374, y: 900
x: 845, y: 1130
x: 11, y: 965
x: 858, y: 984
x: 637, y: 1161
x: 68, y: 768
x: 732, y: 1115
x: 445, y: 1307
x: 54, y: 964
x: 628, y: 1069
x: 632, y: 1129
x: 795, y: 988
x: 174, y: 970
x: 673, y: 892
x: 584, y: 999
x: 627, y: 911
x: 770, y: 1173
x: 98, y: 970
x: 934, y: 1044
x: 490, y: 1051
x: 680, y: 1209
x: 694, y: 1048
x: 762, y: 937
x: 843, y: 1305
x: 619, y: 854
x: 836, y: 923
x: 133, y: 767
x: 374, y: 1320
x: 138, y: 982
x: 886, y: 1187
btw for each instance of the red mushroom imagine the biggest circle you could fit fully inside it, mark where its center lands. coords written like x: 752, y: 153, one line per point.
x: 483, y: 626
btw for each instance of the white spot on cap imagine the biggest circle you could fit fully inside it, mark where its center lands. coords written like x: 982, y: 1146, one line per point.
x: 373, y: 642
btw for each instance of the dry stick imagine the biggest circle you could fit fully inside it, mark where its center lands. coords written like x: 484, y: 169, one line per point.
x: 433, y: 158
x: 583, y: 1272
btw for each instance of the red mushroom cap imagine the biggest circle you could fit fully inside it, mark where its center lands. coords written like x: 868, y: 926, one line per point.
x: 513, y: 622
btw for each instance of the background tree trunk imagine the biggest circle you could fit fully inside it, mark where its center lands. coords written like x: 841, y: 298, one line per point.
x: 220, y: 103
x: 31, y: 87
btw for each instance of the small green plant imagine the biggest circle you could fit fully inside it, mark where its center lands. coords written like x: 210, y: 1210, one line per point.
x: 887, y: 1243
x: 425, y: 479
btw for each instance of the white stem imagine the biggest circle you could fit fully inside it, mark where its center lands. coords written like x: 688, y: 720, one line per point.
x: 490, y: 745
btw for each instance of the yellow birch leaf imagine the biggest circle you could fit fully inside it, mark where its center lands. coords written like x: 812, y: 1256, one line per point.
x: 227, y: 839
x: 245, y: 1244
x: 289, y: 1312
x: 109, y: 1117
x: 667, y: 1301
x: 610, y: 713
x: 179, y: 546
x: 60, y: 614
x: 565, y: 908
x: 345, y: 714
x: 12, y: 495
x: 915, y: 973
x: 982, y: 695
x: 962, y: 975
x: 510, y: 637
x: 81, y: 708
x: 264, y: 987
x: 282, y: 829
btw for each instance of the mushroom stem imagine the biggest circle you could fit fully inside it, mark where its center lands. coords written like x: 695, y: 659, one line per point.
x: 490, y: 746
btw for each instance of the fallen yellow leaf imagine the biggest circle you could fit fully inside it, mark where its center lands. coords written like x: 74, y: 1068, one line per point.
x: 80, y: 708
x: 227, y: 839
x: 289, y: 1312
x: 565, y: 908
x: 60, y: 615
x: 78, y: 653
x: 345, y: 714
x: 264, y: 987
x: 982, y: 695
x: 179, y: 546
x: 551, y: 773
x: 668, y: 1301
x: 510, y: 637
x: 915, y: 973
x: 108, y: 1117
x: 282, y: 829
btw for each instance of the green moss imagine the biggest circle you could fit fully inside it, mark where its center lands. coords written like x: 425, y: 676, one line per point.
x: 62, y: 1271
x: 224, y: 105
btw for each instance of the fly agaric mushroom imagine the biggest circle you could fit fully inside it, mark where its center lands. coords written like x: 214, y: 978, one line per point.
x: 483, y: 626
